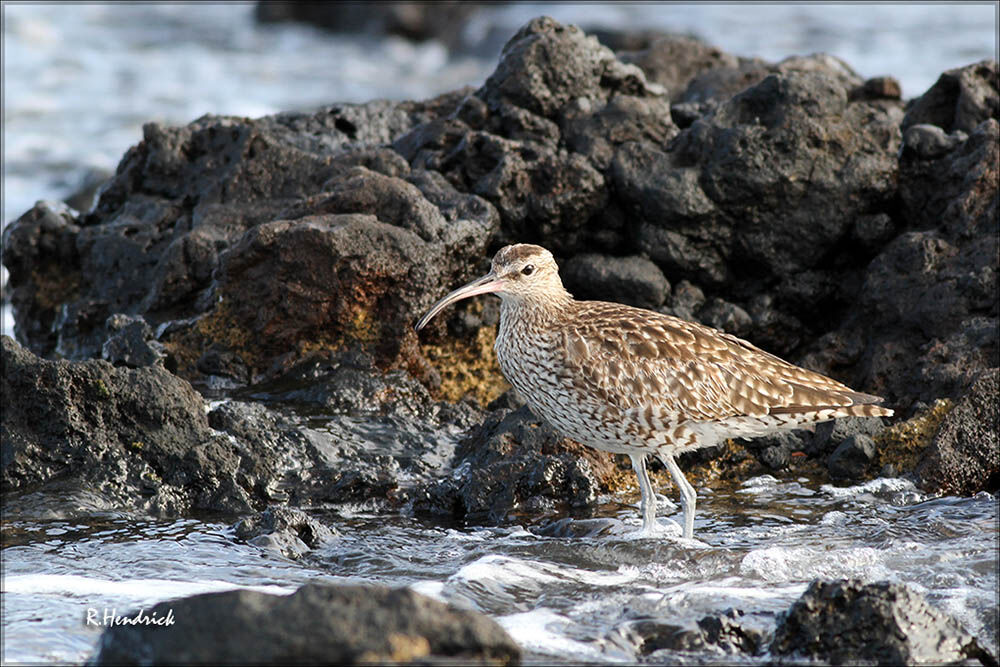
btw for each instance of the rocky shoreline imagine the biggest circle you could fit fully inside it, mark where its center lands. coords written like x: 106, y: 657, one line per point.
x: 239, y: 279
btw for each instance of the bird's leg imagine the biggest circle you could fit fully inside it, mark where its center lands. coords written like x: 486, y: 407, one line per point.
x: 688, y: 496
x: 648, y: 504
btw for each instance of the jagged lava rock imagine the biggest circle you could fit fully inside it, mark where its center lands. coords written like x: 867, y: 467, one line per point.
x: 960, y: 99
x: 184, y: 208
x: 964, y: 457
x: 286, y: 530
x: 926, y: 320
x: 849, y: 622
x: 138, y: 436
x: 513, y: 463
x: 535, y: 139
x: 341, y: 625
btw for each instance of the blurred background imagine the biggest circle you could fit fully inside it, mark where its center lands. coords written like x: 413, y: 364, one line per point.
x: 80, y: 80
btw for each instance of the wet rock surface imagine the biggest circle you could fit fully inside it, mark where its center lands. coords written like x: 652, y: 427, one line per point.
x: 317, y: 624
x: 720, y: 634
x: 137, y: 436
x: 849, y: 622
x: 289, y: 531
x: 514, y: 465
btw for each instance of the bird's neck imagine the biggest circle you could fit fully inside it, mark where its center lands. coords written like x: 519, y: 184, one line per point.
x: 533, y: 311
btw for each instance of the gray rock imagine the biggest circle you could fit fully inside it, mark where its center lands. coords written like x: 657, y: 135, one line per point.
x: 851, y: 459
x: 849, y: 622
x: 546, y: 124
x: 632, y: 280
x: 960, y: 99
x: 719, y: 634
x: 139, y: 437
x: 828, y: 436
x: 725, y: 316
x: 345, y: 432
x: 924, y: 323
x: 514, y: 463
x: 929, y: 142
x: 775, y: 450
x: 344, y: 625
x: 131, y: 343
x: 964, y: 457
x: 673, y: 61
x: 288, y: 531
x: 40, y: 253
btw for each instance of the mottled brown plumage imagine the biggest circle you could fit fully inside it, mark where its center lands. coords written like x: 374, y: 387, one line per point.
x: 637, y: 382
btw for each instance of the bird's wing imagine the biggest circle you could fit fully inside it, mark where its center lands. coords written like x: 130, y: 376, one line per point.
x: 659, y: 366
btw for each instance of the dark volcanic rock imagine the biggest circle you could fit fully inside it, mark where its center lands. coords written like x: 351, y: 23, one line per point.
x: 716, y: 207
x: 341, y: 431
x: 828, y: 436
x: 775, y: 450
x: 537, y: 137
x: 964, y: 457
x: 632, y: 280
x: 346, y: 252
x: 137, y: 436
x: 694, y: 73
x: 130, y: 343
x: 961, y: 99
x: 39, y: 251
x: 513, y: 463
x: 418, y: 21
x: 342, y: 625
x: 289, y: 531
x: 851, y: 459
x: 718, y: 634
x: 926, y: 319
x: 848, y: 622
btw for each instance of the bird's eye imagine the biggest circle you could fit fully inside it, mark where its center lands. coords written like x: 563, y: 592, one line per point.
x: 528, y: 269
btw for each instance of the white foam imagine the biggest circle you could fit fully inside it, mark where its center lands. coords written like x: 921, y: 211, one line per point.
x: 430, y: 588
x: 778, y: 564
x: 509, y: 571
x: 894, y: 489
x: 139, y: 589
x: 541, y: 631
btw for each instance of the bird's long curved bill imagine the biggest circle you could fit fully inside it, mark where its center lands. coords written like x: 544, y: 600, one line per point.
x: 486, y: 284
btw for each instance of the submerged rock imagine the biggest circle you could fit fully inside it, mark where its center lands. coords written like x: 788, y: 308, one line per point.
x: 848, y: 622
x: 342, y: 625
x: 289, y: 531
x: 718, y: 634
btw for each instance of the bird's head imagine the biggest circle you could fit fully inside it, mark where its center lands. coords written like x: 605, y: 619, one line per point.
x: 519, y: 273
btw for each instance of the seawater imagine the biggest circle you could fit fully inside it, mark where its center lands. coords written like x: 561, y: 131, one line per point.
x: 565, y: 591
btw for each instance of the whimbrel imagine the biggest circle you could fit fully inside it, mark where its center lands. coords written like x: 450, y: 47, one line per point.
x: 633, y: 381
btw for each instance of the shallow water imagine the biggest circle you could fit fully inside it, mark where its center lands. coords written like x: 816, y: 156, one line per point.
x: 566, y: 591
